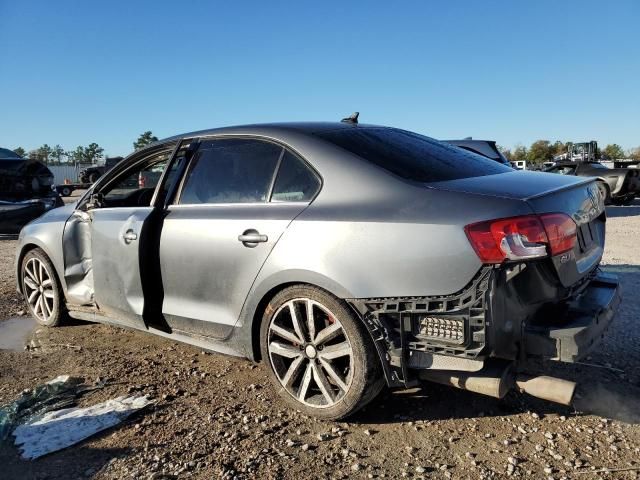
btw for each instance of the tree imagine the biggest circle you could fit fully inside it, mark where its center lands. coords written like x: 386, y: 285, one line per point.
x: 559, y: 148
x: 20, y: 151
x: 57, y: 153
x: 540, y: 151
x: 42, y: 153
x: 504, y: 151
x: 93, y: 153
x: 519, y: 153
x: 146, y: 138
x: 634, y: 153
x: 77, y: 155
x: 613, y: 151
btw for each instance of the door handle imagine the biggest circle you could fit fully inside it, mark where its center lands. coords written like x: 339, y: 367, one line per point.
x: 129, y: 236
x: 250, y: 238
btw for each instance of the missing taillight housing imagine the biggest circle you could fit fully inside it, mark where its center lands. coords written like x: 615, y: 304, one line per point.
x: 522, y: 238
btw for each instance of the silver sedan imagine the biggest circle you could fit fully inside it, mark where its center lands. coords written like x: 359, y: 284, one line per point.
x: 344, y: 256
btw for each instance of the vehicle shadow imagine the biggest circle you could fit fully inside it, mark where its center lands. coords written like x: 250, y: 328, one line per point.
x: 74, y: 462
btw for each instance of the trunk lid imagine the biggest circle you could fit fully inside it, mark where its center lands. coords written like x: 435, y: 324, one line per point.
x: 577, y: 197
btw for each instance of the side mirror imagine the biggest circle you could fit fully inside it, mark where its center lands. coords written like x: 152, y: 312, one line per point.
x: 96, y: 200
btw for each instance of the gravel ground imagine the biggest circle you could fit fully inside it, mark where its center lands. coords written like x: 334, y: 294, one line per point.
x: 216, y: 416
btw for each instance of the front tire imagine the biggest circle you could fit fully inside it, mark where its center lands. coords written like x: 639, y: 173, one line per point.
x: 320, y: 357
x: 41, y: 289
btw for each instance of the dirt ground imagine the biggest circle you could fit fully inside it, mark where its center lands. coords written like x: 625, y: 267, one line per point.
x: 216, y: 416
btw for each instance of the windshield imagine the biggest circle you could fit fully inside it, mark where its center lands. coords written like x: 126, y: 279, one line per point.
x: 412, y: 156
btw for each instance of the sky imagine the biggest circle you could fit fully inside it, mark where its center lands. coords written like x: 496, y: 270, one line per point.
x: 76, y: 72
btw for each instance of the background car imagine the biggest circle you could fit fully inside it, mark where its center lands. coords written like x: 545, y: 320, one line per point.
x: 344, y: 256
x: 486, y: 148
x: 25, y: 191
x: 617, y: 185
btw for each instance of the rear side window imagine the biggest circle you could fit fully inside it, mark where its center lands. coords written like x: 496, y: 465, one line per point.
x: 295, y: 181
x: 412, y: 156
x: 231, y: 171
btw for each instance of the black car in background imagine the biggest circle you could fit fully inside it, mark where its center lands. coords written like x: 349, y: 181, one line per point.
x: 617, y: 185
x: 25, y: 191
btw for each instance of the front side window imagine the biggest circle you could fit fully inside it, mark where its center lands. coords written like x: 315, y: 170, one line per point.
x: 136, y: 186
x: 231, y: 171
x: 295, y: 181
x: 412, y: 156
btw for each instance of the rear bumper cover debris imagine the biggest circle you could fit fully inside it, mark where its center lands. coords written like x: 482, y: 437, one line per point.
x: 588, y: 317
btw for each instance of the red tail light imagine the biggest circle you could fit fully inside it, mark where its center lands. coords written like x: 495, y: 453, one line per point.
x: 521, y: 238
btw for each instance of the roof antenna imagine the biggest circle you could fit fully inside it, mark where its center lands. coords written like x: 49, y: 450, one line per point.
x: 353, y: 118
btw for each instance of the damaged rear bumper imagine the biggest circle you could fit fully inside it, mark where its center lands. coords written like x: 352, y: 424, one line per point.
x: 587, y: 319
x: 490, y: 318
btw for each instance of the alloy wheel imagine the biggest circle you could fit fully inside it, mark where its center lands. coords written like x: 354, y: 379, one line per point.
x: 310, y: 353
x: 39, y: 289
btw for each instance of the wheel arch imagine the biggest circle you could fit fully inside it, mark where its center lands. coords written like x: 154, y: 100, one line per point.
x: 606, y: 186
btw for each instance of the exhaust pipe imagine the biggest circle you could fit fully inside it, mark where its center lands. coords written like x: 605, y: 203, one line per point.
x: 548, y: 388
x: 497, y: 378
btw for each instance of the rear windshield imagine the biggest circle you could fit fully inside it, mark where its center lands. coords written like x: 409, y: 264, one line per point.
x: 412, y: 156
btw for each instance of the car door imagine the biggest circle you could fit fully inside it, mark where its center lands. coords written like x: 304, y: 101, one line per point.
x: 237, y: 198
x: 119, y: 237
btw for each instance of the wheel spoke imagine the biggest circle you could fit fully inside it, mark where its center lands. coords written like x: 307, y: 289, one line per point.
x: 328, y: 333
x: 296, y: 322
x: 48, y: 308
x: 311, y: 322
x: 38, y: 309
x: 323, y: 383
x: 32, y: 295
x: 292, y: 372
x: 48, y: 293
x: 30, y: 283
x: 41, y: 271
x: 286, y: 334
x: 332, y: 352
x: 333, y: 375
x: 306, y: 380
x: 46, y: 283
x: 30, y: 271
x: 283, y: 350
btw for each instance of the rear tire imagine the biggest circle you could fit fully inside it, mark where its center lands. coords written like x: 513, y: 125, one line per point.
x: 93, y: 177
x: 324, y: 363
x: 41, y: 288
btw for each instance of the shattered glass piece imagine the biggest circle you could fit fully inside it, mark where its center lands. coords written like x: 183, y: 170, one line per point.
x: 54, y: 431
x: 58, y: 393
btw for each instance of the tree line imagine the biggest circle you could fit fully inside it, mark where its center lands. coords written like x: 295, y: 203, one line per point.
x: 543, y: 151
x: 92, y: 153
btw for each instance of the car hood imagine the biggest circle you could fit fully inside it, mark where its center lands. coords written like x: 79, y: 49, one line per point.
x: 519, y: 184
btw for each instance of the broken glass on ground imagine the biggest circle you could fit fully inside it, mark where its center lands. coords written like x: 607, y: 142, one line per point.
x: 45, y: 419
x: 58, y: 393
x: 60, y: 429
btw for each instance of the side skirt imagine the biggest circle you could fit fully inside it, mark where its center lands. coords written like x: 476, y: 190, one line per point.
x: 200, y: 341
